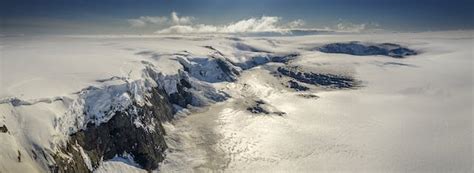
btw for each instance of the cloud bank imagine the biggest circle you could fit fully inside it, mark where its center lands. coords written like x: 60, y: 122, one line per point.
x: 251, y: 25
x: 176, y: 20
x: 173, y: 19
x: 147, y: 20
x: 175, y: 24
x: 351, y: 27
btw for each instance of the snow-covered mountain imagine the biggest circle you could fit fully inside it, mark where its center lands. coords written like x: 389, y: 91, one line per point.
x: 236, y: 104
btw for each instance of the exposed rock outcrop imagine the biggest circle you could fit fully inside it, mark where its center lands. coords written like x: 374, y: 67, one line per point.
x: 319, y: 79
x: 209, y: 69
x: 266, y: 58
x: 308, y: 96
x: 138, y: 131
x: 127, y: 121
x: 261, y: 107
x: 3, y: 129
x: 296, y: 86
x: 364, y: 49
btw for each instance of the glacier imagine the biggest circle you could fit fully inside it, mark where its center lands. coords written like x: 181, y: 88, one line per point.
x: 249, y: 104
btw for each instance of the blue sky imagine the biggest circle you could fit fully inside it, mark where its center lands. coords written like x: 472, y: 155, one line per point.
x: 111, y: 16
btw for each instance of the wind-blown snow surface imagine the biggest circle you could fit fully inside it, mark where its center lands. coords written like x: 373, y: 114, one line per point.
x: 412, y: 114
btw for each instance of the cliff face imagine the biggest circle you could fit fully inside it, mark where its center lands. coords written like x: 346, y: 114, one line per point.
x: 137, y: 131
x: 134, y: 123
x: 130, y: 123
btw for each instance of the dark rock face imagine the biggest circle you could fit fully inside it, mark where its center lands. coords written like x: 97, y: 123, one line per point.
x: 360, y: 49
x: 75, y: 164
x: 136, y: 131
x: 257, y: 110
x: 260, y: 60
x: 263, y: 58
x: 285, y: 58
x: 228, y: 68
x: 194, y: 92
x: 296, y: 86
x: 326, y: 80
x: 211, y: 70
x: 3, y: 129
x: 309, y: 96
x: 133, y: 132
x: 260, y: 108
x: 183, y: 97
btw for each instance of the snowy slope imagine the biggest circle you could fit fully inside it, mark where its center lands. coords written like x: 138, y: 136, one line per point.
x: 60, y: 84
x: 396, y: 120
x: 412, y: 114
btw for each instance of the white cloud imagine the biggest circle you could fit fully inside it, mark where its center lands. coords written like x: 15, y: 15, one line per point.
x: 136, y: 22
x: 175, y: 24
x: 145, y: 20
x: 177, y: 29
x: 351, y: 27
x: 263, y: 24
x: 296, y: 23
x: 176, y: 20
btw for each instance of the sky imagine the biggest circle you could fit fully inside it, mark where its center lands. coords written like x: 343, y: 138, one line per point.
x: 183, y: 16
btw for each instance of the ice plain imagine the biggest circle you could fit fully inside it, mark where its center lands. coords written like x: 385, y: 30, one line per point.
x: 408, y: 114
